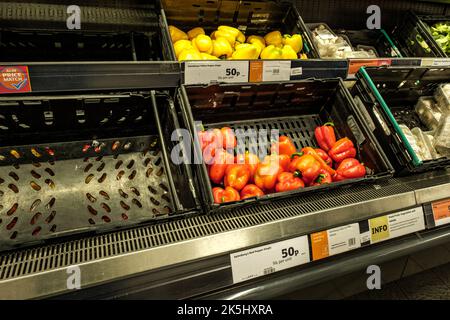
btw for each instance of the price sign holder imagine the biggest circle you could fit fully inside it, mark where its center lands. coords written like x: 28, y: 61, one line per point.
x: 216, y: 71
x: 437, y: 213
x: 256, y: 262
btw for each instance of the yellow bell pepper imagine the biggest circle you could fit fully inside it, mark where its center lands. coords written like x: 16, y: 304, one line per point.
x: 231, y: 38
x: 231, y: 30
x: 189, y: 54
x: 195, y: 32
x: 221, y: 47
x: 295, y: 41
x: 258, y: 43
x: 203, y: 43
x: 240, y: 37
x: 303, y: 56
x: 271, y: 52
x: 176, y: 34
x: 246, y: 51
x: 181, y: 45
x: 251, y: 39
x: 288, y: 53
x: 206, y: 56
x: 274, y: 38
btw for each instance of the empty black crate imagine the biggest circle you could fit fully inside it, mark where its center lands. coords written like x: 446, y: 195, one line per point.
x: 252, y: 17
x: 388, y: 97
x: 413, y: 39
x: 75, y: 163
x: 295, y: 109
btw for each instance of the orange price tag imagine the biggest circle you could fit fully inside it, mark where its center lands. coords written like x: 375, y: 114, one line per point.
x: 441, y: 212
x: 355, y: 64
x: 256, y: 71
x: 319, y: 245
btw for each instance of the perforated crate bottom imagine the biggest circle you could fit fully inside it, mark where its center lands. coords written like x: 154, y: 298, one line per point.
x: 48, y: 199
x: 408, y: 116
x: 299, y: 128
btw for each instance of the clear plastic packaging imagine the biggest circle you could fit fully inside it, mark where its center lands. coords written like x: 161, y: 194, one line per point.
x: 442, y: 95
x: 429, y: 140
x: 428, y: 112
x: 424, y: 149
x: 442, y: 136
x: 330, y: 45
x: 412, y: 140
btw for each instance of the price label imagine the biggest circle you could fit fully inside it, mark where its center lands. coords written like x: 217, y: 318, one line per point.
x: 205, y: 72
x: 355, y: 64
x: 263, y: 260
x: 441, y: 212
x: 334, y: 241
x: 396, y: 224
x: 276, y: 71
x: 270, y: 71
x: 435, y: 62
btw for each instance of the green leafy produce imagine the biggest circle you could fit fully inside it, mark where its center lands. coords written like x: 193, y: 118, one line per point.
x: 441, y: 33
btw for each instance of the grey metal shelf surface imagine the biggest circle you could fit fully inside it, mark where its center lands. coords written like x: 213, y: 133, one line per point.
x: 190, y: 257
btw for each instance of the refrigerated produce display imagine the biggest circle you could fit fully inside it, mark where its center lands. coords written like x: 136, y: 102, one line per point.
x: 228, y: 149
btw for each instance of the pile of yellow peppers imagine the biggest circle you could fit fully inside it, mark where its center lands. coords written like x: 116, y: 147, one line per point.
x: 230, y: 43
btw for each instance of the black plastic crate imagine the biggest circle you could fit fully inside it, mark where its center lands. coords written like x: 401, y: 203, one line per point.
x: 295, y: 109
x: 428, y: 22
x: 30, y: 45
x: 377, y: 40
x: 83, y: 163
x: 109, y: 32
x: 387, y: 96
x: 252, y: 17
x: 413, y: 39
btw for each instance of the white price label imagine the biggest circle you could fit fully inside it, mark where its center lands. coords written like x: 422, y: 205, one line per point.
x: 259, y: 261
x: 435, y: 62
x: 396, y: 224
x: 297, y: 71
x: 334, y: 241
x: 276, y: 71
x: 205, y: 72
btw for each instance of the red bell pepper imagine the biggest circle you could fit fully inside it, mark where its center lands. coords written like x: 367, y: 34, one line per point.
x: 220, y: 163
x: 349, y: 169
x: 229, y: 139
x: 342, y: 149
x: 305, y: 166
x: 325, y: 136
x: 236, y: 176
x: 266, y: 175
x: 283, y: 159
x: 284, y: 145
x: 250, y: 191
x: 251, y: 160
x: 324, y: 177
x: 325, y: 157
x: 323, y: 164
x: 229, y: 194
x: 288, y: 181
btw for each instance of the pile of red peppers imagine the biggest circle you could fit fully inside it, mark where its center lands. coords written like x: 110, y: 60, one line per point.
x: 245, y: 175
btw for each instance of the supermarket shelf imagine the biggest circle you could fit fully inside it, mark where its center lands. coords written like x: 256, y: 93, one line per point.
x: 272, y: 287
x: 89, y: 76
x: 156, y: 261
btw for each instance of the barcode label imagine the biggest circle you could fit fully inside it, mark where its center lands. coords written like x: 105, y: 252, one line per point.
x: 269, y: 270
x: 351, y: 242
x: 276, y: 70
